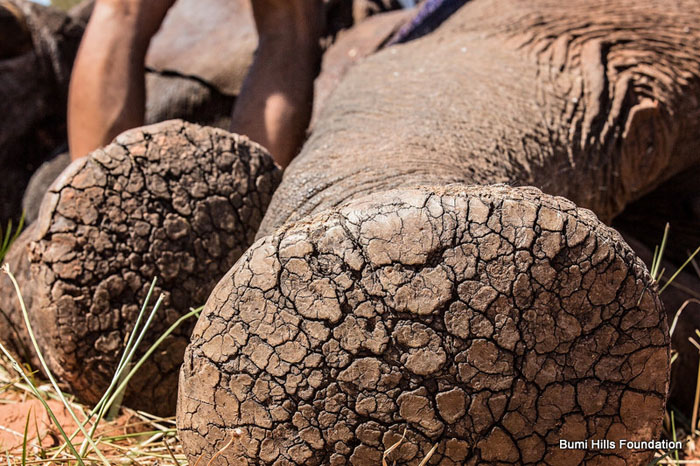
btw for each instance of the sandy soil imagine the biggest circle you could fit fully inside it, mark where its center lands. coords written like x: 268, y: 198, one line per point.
x: 13, y: 418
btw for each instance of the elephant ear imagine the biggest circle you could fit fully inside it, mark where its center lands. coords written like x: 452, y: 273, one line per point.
x: 15, y: 38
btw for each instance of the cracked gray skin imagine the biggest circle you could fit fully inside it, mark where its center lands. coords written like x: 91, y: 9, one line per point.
x: 173, y: 200
x: 490, y: 320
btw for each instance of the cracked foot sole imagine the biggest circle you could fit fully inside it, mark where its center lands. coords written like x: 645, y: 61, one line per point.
x: 175, y: 201
x: 490, y: 321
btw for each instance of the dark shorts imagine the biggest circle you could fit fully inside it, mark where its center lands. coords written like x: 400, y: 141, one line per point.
x: 430, y: 15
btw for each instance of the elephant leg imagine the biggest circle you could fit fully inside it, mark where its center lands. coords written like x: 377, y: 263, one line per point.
x: 594, y: 101
x: 175, y: 201
x: 170, y: 96
x: 369, y: 305
x: 490, y: 321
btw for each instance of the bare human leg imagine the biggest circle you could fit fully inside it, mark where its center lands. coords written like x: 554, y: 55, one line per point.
x: 107, y: 89
x: 107, y: 92
x: 274, y: 106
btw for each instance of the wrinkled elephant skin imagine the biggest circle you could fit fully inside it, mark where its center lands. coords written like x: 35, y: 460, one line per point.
x: 393, y: 286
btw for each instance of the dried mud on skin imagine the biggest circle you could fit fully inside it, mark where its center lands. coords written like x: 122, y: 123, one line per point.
x: 492, y: 321
x: 175, y: 201
x: 13, y: 330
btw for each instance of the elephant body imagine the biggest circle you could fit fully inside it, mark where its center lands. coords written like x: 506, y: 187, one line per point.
x: 394, y: 287
x: 34, y: 86
x: 435, y: 262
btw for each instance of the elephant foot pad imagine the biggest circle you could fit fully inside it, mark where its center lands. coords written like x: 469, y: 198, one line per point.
x: 490, y: 321
x: 175, y: 201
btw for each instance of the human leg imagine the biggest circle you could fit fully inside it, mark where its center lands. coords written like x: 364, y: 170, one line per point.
x: 107, y: 90
x: 274, y: 106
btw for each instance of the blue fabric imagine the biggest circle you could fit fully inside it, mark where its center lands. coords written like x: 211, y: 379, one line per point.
x: 430, y: 15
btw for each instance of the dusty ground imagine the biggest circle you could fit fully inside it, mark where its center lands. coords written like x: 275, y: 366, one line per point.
x: 14, y: 416
x: 131, y: 438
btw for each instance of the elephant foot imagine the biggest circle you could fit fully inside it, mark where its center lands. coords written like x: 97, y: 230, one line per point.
x: 13, y: 329
x: 490, y: 321
x: 174, y: 201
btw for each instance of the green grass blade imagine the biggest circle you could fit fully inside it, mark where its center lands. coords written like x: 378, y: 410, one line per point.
x: 103, y: 404
x: 152, y: 349
x: 144, y: 358
x: 99, y: 407
x: 39, y: 439
x: 685, y: 264
x: 673, y: 427
x: 20, y: 227
x: 130, y: 342
x: 6, y: 236
x: 659, y: 260
x: 660, y: 459
x: 122, y: 372
x: 24, y: 438
x: 125, y: 360
x: 654, y: 261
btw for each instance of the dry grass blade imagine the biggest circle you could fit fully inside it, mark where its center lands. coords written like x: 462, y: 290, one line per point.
x: 170, y: 452
x: 695, y: 343
x: 236, y: 434
x: 430, y: 454
x: 659, y: 254
x: 679, y: 311
x: 678, y: 462
x: 393, y: 447
x: 696, y: 266
x: 694, y: 422
x: 45, y: 367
